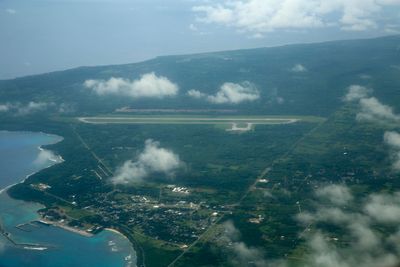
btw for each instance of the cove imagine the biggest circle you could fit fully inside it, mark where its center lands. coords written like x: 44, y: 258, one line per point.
x: 20, y: 156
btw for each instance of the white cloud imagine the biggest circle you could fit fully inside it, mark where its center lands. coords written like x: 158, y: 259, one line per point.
x: 153, y: 159
x: 280, y: 100
x: 230, y: 231
x: 234, y: 93
x: 195, y: 94
x: 230, y: 93
x: 245, y: 255
x: 368, y: 246
x: 45, y: 156
x: 20, y: 109
x: 372, y: 109
x: 241, y: 254
x: 23, y: 109
x: 392, y: 29
x: 298, y: 68
x: 268, y: 194
x: 32, y: 107
x: 149, y: 85
x: 11, y: 11
x: 363, y: 239
x: 193, y: 27
x: 262, y: 16
x: 392, y: 139
x: 384, y: 208
x: 357, y: 92
x: 337, y: 194
x: 66, y: 108
x: 4, y: 107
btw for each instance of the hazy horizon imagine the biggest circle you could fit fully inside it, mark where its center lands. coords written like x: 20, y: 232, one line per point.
x: 50, y: 35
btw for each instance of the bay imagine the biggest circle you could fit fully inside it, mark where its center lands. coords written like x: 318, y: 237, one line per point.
x: 20, y: 156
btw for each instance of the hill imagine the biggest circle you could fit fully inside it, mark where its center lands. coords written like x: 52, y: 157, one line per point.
x: 307, y: 79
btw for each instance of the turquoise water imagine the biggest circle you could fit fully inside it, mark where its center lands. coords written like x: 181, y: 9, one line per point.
x: 18, y: 157
x: 18, y: 153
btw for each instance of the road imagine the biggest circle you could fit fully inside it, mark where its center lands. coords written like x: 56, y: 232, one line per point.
x: 248, y: 191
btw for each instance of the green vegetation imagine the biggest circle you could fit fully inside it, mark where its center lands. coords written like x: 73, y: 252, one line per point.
x: 259, y: 179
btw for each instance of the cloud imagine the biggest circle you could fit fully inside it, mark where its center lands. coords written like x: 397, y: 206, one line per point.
x: 196, y: 94
x: 20, y: 109
x: 230, y: 93
x: 32, y: 107
x: 230, y: 231
x: 373, y: 110
x: 244, y: 255
x: 298, y: 68
x: 268, y: 194
x: 153, y: 159
x: 384, y: 208
x: 364, y: 232
x: 241, y: 254
x: 148, y: 85
x: 366, y: 244
x: 4, y: 107
x: 280, y: 100
x: 357, y: 92
x: 392, y: 29
x: 262, y: 16
x: 24, y: 109
x: 45, y: 156
x: 11, y: 11
x: 66, y: 108
x: 193, y: 27
x: 337, y: 194
x: 392, y: 139
x: 235, y: 93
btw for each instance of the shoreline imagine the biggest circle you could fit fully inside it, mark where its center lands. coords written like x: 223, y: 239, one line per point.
x: 66, y: 227
x: 40, y: 148
x: 115, y: 231
x: 2, y: 190
x: 55, y: 224
x: 57, y: 160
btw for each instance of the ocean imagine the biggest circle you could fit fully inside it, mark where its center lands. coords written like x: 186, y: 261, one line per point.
x: 19, y: 157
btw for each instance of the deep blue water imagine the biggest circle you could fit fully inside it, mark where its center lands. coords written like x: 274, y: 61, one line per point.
x: 19, y: 157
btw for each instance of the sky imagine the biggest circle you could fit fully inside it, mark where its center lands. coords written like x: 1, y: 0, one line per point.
x: 38, y: 36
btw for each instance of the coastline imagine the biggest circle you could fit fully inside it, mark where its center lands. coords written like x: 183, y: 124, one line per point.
x: 11, y: 185
x: 140, y: 256
x: 66, y: 227
x: 40, y: 148
x: 115, y: 231
x: 2, y: 190
x: 57, y: 160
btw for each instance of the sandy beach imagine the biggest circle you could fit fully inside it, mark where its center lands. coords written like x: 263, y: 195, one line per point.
x: 115, y: 231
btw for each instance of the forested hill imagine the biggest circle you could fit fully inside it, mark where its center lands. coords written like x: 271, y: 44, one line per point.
x: 307, y: 79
